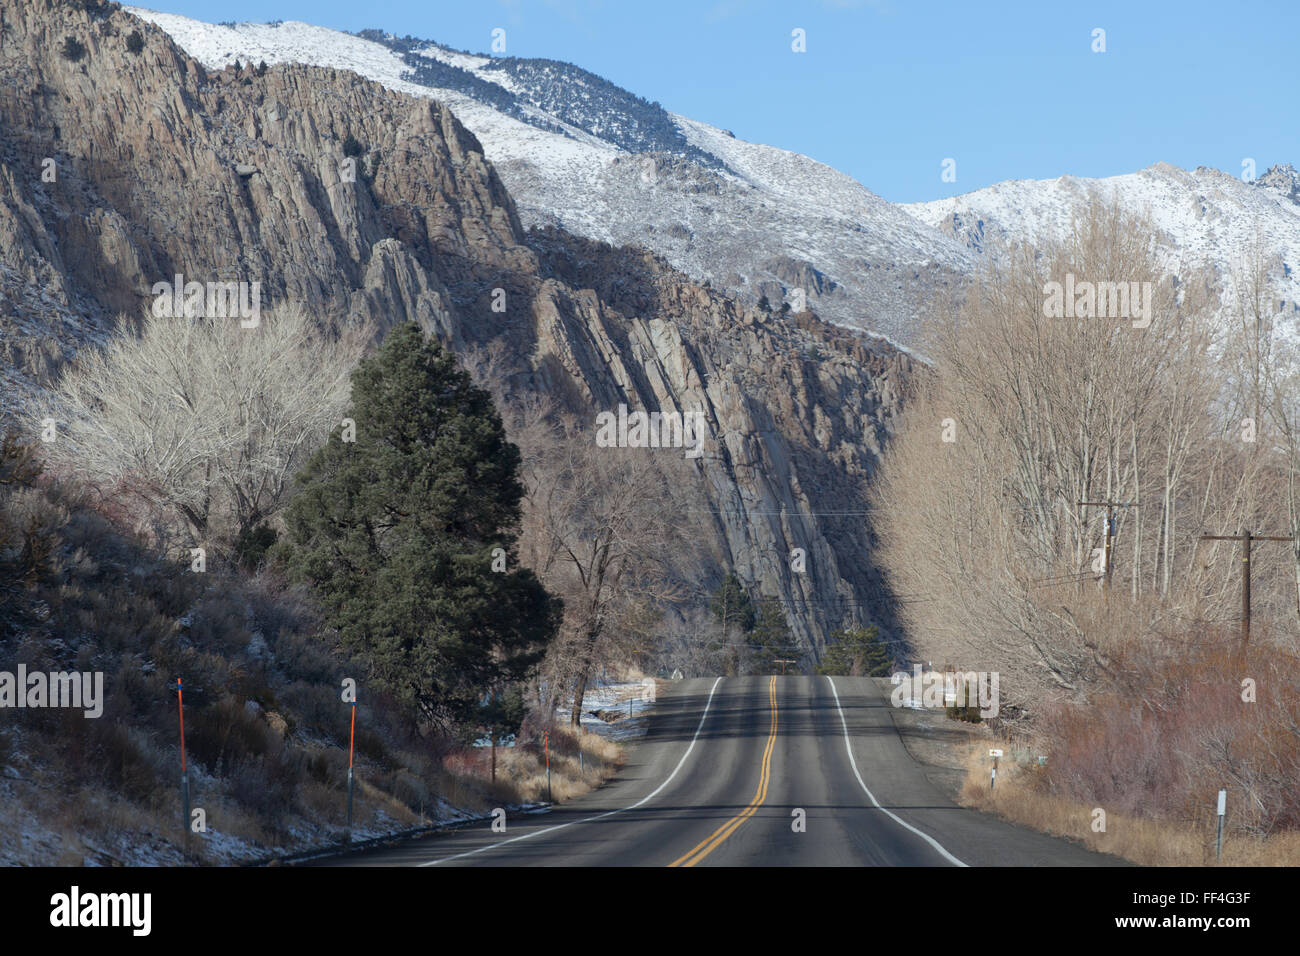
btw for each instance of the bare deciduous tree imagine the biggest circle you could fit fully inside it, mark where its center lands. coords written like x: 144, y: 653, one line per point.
x: 204, y: 419
x: 985, y: 536
x: 600, y: 532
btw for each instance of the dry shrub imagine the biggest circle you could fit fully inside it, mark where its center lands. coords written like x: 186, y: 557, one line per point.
x: 1171, y: 729
x: 327, y: 767
x: 127, y: 764
x: 1167, y: 730
x: 219, y: 624
x: 266, y: 786
x: 322, y: 802
x: 370, y: 744
x: 226, y: 732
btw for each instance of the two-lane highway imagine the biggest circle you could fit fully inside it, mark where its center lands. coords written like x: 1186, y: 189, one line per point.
x: 754, y: 771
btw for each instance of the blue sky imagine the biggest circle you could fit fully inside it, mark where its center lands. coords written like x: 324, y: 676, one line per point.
x: 887, y: 89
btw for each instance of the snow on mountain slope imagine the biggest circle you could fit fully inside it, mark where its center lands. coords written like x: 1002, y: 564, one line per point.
x: 581, y: 154
x: 1201, y: 217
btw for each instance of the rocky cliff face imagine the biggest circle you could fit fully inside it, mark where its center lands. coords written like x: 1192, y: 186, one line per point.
x: 161, y: 167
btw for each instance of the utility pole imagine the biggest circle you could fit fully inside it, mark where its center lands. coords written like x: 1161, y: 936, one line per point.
x: 1246, y: 538
x: 783, y: 662
x: 1110, y: 507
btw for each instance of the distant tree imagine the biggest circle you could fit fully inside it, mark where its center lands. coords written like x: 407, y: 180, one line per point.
x: 764, y: 305
x: 253, y: 544
x: 856, y: 652
x: 406, y: 533
x: 261, y: 68
x: 771, y: 636
x: 73, y: 49
x: 500, y: 716
x: 731, y: 605
x: 28, y: 536
x: 599, y: 539
x: 351, y: 147
x: 135, y: 42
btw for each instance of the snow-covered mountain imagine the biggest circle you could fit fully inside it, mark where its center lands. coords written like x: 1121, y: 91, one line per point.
x: 578, y: 152
x: 1202, y: 217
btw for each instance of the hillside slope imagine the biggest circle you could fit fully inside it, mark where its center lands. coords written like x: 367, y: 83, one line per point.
x: 225, y: 175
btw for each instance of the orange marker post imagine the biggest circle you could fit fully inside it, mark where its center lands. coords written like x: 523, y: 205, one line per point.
x: 352, y: 737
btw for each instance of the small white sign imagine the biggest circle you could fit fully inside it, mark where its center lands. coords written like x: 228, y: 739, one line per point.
x: 995, y: 753
x: 1223, y: 801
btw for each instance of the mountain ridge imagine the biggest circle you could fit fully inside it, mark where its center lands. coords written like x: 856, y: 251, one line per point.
x: 719, y: 221
x: 1202, y: 217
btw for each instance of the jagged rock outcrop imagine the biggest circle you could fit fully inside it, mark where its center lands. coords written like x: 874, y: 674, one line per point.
x: 152, y: 155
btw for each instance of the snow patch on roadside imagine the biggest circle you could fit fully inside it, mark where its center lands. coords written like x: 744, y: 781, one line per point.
x: 611, y: 698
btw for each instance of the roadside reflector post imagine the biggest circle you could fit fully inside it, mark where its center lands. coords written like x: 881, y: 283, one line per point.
x: 546, y: 742
x: 185, y: 773
x: 352, y: 737
x: 995, y: 753
x: 1218, y: 842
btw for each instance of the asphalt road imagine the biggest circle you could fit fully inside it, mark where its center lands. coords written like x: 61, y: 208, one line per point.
x: 717, y: 781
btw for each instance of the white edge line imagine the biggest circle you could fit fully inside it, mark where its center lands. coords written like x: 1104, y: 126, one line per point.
x: 901, y: 822
x: 607, y: 813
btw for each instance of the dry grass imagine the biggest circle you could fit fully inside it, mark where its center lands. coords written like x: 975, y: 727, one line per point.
x: 521, y: 770
x: 1149, y: 842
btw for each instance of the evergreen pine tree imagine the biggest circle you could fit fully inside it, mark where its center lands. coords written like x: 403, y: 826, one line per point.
x: 856, y: 652
x: 772, y: 635
x: 396, y: 532
x: 73, y: 49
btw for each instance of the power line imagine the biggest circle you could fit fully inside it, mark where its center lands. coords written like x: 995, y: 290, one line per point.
x: 1246, y: 538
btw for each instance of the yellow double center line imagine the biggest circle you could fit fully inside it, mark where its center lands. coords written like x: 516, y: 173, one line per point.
x: 714, y: 840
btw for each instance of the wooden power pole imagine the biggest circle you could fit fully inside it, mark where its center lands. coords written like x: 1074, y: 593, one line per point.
x: 1110, y: 507
x: 1246, y: 538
